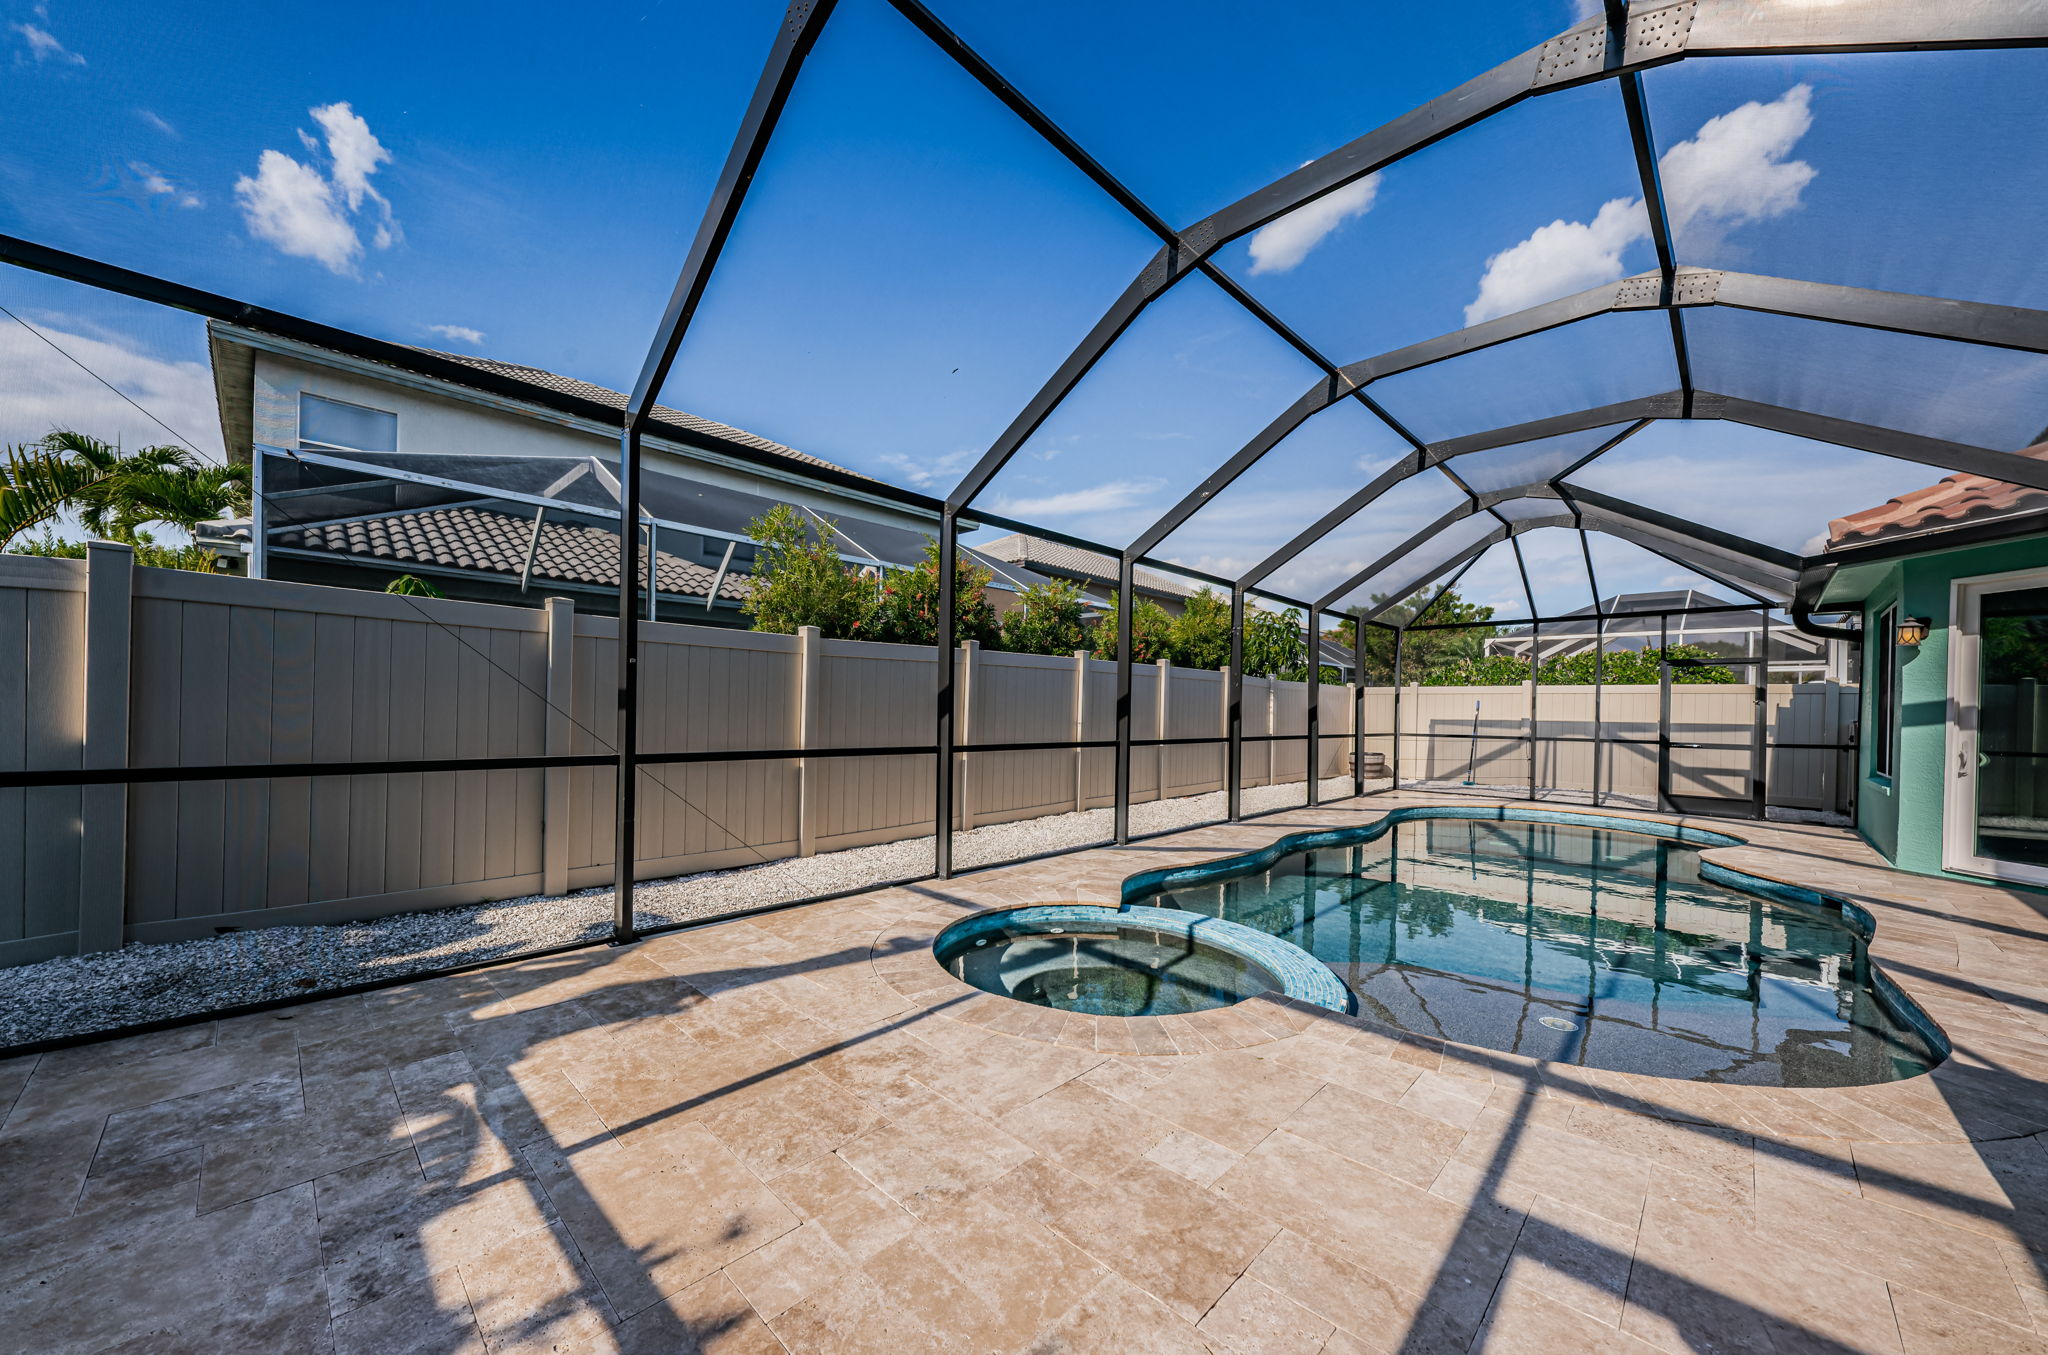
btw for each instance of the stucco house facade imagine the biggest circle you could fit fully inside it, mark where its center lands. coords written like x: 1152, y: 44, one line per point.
x: 1952, y: 586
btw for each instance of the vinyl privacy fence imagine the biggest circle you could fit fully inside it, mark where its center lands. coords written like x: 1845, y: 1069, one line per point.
x: 116, y: 666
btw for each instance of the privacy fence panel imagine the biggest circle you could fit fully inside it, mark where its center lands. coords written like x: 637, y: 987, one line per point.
x: 873, y: 695
x: 42, y: 728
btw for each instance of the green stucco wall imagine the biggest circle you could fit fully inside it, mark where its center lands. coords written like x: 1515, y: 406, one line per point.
x: 1902, y: 817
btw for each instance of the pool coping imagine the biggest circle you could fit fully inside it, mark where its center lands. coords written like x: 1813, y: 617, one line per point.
x: 1980, y: 1091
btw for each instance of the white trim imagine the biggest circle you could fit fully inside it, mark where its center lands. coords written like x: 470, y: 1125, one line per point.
x: 1959, y: 765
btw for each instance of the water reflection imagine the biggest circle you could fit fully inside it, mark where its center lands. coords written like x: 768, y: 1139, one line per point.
x: 1579, y: 945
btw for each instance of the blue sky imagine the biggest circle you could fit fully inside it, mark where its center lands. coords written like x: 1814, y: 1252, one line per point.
x: 913, y: 262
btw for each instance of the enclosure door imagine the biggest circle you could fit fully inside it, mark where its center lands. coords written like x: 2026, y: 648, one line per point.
x: 1996, y: 819
x: 1723, y: 775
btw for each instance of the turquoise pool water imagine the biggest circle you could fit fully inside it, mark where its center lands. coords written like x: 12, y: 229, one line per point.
x: 1579, y: 945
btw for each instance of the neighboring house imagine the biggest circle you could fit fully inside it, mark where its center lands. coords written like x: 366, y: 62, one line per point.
x: 1629, y: 624
x: 367, y: 471
x: 1096, y: 574
x: 1952, y: 585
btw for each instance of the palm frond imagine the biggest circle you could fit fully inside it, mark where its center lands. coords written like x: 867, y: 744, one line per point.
x: 38, y: 484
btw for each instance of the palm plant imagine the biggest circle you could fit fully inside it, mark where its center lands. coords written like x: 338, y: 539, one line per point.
x: 115, y: 494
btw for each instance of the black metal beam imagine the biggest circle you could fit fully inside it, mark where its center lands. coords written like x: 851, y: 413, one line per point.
x: 1648, y: 178
x: 1315, y: 697
x: 1746, y: 28
x: 1322, y: 526
x: 801, y: 24
x: 1465, y: 556
x: 1947, y: 456
x: 1755, y: 552
x: 1408, y: 546
x: 1120, y: 812
x: 947, y: 668
x: 1930, y: 317
x: 1233, y: 713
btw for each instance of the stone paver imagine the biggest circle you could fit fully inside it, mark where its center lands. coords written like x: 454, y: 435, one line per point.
x: 794, y: 1133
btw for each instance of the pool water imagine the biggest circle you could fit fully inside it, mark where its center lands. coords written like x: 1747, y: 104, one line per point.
x: 1579, y: 945
x: 1120, y: 970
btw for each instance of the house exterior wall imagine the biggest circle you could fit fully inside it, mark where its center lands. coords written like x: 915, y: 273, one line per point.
x: 1902, y: 816
x: 448, y: 423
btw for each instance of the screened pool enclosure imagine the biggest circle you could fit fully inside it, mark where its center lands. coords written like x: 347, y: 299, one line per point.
x: 1639, y: 309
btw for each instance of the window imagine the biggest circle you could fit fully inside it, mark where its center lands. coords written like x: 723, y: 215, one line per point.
x: 334, y: 425
x: 1884, y: 692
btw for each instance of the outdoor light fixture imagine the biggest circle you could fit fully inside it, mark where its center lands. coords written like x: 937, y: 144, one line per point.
x: 1913, y: 629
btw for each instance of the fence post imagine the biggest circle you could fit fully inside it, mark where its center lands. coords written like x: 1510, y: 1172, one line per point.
x: 810, y: 663
x: 970, y: 676
x: 1160, y: 726
x: 1080, y: 729
x: 557, y: 740
x: 103, y: 810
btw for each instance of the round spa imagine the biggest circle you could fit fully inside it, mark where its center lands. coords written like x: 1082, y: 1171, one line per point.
x: 1133, y: 962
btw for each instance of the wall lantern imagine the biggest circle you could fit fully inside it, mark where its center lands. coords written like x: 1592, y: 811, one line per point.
x: 1913, y: 629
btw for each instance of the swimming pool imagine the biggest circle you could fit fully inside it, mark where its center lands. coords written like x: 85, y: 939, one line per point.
x: 1573, y: 943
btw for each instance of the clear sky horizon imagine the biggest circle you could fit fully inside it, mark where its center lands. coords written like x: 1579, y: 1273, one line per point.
x: 913, y: 262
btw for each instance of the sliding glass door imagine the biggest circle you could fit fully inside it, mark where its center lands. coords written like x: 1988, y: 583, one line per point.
x: 1997, y: 821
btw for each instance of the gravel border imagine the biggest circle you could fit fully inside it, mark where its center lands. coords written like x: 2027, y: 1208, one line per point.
x: 108, y: 990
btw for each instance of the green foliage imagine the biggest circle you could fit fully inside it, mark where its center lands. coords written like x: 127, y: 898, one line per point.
x: 799, y: 579
x: 1201, y: 633
x: 1628, y: 667
x: 1490, y: 670
x: 1425, y: 652
x: 115, y: 494
x: 1620, y: 668
x: 413, y: 586
x: 148, y: 553
x: 1151, y: 632
x: 1273, y: 645
x: 1049, y: 619
x: 908, y: 611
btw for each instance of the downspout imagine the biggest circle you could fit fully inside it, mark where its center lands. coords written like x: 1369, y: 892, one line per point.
x: 1813, y: 580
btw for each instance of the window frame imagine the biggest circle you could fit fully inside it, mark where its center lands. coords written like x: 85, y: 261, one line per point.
x: 315, y: 444
x: 1883, y: 672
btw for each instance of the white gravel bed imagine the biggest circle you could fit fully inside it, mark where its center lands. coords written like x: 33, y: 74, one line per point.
x: 75, y: 995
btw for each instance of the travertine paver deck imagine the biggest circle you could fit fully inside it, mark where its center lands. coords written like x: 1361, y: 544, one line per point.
x: 794, y: 1132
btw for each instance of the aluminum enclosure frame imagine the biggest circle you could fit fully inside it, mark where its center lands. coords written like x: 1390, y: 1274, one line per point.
x: 1618, y: 44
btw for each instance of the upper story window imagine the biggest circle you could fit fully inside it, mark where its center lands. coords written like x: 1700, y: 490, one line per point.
x: 334, y: 425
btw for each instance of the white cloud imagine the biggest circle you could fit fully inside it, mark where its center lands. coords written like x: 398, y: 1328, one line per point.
x: 924, y: 472
x: 310, y: 214
x: 1583, y: 10
x: 1108, y: 497
x: 458, y: 333
x: 45, y: 47
x: 1283, y: 244
x: 154, y: 184
x: 45, y: 390
x: 157, y: 120
x: 1732, y: 171
x: 1559, y: 259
